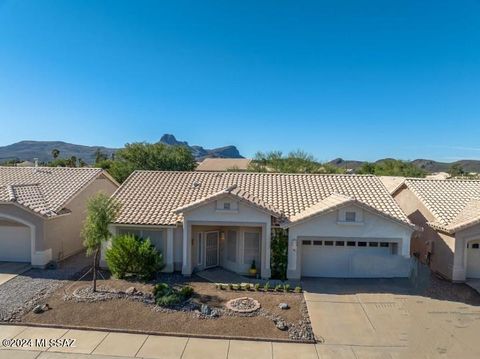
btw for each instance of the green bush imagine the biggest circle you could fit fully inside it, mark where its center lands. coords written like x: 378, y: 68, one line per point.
x: 257, y: 287
x: 278, y: 288
x: 286, y: 288
x: 131, y: 255
x: 298, y: 289
x: 167, y: 296
x: 266, y: 287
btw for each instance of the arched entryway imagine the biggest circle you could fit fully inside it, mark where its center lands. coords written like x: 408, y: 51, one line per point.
x: 15, y: 239
x: 473, y: 259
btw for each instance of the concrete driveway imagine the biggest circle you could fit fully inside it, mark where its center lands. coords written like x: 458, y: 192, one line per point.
x: 356, y: 318
x: 9, y: 270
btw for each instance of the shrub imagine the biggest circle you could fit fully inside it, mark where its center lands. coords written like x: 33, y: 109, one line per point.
x: 257, y: 287
x: 131, y: 255
x: 298, y: 289
x: 286, y: 288
x: 167, y: 296
x: 278, y: 288
x: 235, y: 287
x: 230, y: 286
x: 266, y: 287
x: 279, y: 256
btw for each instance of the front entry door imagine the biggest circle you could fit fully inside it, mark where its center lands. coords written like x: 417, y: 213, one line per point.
x: 211, y: 249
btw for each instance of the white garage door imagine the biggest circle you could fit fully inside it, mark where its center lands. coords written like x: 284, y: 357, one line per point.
x: 345, y: 258
x: 15, y: 244
x: 473, y: 260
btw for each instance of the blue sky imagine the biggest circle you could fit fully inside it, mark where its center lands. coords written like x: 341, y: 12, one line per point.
x: 352, y: 79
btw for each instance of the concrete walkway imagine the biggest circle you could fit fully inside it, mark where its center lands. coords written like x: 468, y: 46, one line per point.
x: 109, y: 345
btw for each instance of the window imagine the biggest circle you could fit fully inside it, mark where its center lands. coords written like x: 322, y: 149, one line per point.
x: 251, y: 250
x: 475, y: 245
x: 339, y: 243
x: 362, y: 244
x: 200, y: 248
x: 306, y: 242
x: 350, y: 244
x: 226, y: 205
x: 232, y: 246
x: 384, y: 244
x: 317, y: 243
x: 329, y: 243
x: 350, y: 216
x: 373, y: 244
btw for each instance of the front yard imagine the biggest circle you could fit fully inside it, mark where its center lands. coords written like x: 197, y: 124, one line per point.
x: 127, y: 305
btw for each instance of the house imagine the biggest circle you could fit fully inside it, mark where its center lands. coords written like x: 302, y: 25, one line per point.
x: 224, y: 164
x: 42, y: 210
x: 337, y: 225
x: 449, y: 212
x: 392, y: 182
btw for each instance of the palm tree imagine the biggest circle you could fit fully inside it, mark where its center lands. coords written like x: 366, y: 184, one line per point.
x: 101, y: 211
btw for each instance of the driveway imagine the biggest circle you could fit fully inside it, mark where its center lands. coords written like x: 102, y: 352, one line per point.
x: 9, y: 270
x: 387, y: 318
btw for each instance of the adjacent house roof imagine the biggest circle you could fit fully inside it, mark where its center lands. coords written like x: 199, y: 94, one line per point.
x: 44, y: 190
x: 224, y: 164
x: 157, y: 198
x: 454, y: 203
x: 392, y: 182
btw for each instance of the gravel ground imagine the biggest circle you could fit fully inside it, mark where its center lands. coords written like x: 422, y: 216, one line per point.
x: 21, y: 293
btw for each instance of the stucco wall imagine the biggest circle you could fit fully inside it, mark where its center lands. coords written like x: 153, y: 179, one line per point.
x: 17, y: 212
x: 327, y: 225
x: 462, y: 238
x: 63, y: 234
x: 443, y: 247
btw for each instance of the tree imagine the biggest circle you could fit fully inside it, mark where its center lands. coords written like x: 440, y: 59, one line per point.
x: 456, y: 170
x: 55, y: 153
x: 295, y: 162
x: 100, y: 156
x: 391, y: 167
x: 147, y: 156
x: 101, y: 211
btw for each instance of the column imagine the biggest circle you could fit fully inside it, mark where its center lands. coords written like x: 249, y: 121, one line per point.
x: 187, y: 250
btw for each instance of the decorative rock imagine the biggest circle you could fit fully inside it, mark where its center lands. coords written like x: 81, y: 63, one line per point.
x: 280, y: 324
x: 38, y: 309
x: 284, y: 306
x: 205, y: 310
x: 243, y: 305
x: 131, y: 291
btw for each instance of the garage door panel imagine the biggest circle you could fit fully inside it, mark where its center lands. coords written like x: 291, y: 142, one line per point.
x: 369, y: 260
x: 473, y: 260
x: 15, y: 244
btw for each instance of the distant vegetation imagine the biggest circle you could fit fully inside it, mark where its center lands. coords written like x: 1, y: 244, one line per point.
x: 294, y: 162
x: 147, y: 156
x: 391, y: 167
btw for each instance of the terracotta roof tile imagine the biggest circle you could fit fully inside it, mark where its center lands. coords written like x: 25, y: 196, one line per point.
x: 453, y: 203
x: 151, y: 197
x: 44, y: 190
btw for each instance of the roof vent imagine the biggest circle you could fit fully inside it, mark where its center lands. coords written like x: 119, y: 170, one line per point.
x: 196, y: 184
x: 35, y: 160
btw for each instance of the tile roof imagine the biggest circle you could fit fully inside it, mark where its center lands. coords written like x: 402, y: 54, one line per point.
x: 454, y: 203
x: 223, y: 164
x: 151, y: 197
x: 44, y: 190
x: 392, y: 182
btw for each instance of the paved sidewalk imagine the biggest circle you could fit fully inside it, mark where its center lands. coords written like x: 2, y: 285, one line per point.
x: 109, y: 345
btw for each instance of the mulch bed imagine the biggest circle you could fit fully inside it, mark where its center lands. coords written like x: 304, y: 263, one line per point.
x: 137, y: 312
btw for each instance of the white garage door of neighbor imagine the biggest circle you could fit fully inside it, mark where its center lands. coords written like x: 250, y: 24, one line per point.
x: 473, y: 260
x: 15, y: 244
x: 344, y: 258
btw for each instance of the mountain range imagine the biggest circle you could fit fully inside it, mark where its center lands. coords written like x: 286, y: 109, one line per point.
x: 28, y: 150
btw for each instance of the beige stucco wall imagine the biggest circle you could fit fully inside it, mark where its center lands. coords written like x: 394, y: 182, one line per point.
x: 63, y: 234
x: 12, y: 210
x: 462, y: 238
x: 443, y: 248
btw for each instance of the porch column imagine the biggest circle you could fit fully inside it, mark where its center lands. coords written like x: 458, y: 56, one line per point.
x: 169, y: 252
x: 267, y: 237
x: 187, y: 250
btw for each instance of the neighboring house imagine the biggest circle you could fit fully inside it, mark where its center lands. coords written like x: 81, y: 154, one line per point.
x: 42, y: 210
x: 392, y: 182
x: 224, y: 164
x: 338, y: 225
x: 449, y: 212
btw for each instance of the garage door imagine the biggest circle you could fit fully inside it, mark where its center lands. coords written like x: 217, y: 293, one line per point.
x: 15, y: 244
x: 473, y: 260
x: 344, y: 258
